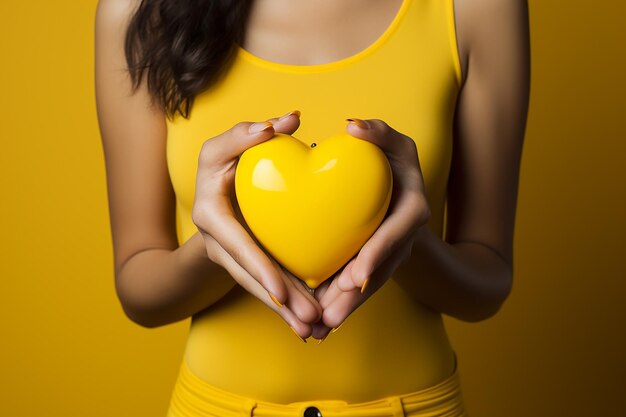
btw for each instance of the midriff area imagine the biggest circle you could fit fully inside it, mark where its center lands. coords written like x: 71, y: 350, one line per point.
x: 390, y: 345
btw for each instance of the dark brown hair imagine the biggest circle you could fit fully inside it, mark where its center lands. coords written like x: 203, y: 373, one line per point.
x: 184, y: 45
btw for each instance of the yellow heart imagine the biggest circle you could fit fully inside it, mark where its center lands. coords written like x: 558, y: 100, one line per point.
x: 313, y: 207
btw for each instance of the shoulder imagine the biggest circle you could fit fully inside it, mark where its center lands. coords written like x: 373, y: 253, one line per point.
x: 115, y: 12
x: 112, y: 19
x: 488, y: 28
x: 486, y: 23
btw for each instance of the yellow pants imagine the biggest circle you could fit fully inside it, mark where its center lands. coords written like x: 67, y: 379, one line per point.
x: 194, y: 397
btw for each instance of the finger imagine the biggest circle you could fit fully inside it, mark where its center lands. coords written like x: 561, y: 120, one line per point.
x: 376, y: 131
x: 322, y: 288
x: 333, y: 291
x: 252, y: 286
x: 338, y: 304
x: 320, y: 331
x: 228, y: 146
x: 217, y: 218
x: 287, y: 123
x: 307, y: 310
x: 406, y: 216
x: 344, y: 279
x: 301, y: 286
x: 299, y: 300
x: 401, y: 151
x: 341, y: 306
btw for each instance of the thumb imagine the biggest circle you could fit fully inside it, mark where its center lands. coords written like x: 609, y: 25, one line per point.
x: 378, y: 132
x: 232, y: 143
x: 287, y: 123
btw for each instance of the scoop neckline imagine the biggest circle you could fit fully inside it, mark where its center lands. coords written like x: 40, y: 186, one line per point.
x: 328, y: 66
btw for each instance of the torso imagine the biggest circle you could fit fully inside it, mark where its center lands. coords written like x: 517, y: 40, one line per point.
x: 392, y: 344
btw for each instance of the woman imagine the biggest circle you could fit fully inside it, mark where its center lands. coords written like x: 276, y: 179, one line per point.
x: 184, y: 88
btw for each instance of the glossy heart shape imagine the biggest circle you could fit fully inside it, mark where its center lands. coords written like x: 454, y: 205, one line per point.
x: 313, y: 207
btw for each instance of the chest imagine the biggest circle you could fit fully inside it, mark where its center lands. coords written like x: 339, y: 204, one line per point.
x: 310, y: 33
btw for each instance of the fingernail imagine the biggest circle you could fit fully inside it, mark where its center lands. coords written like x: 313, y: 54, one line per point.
x: 275, y: 300
x: 322, y: 339
x: 259, y: 126
x: 367, y: 281
x: 296, y: 333
x: 360, y: 123
x: 296, y: 112
x: 336, y: 328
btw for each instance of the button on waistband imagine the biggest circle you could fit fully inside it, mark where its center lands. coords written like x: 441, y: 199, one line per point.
x: 312, y: 412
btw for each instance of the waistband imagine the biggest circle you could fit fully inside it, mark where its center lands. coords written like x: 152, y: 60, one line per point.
x: 194, y: 397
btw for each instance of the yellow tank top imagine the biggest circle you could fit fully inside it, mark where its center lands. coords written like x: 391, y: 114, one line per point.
x: 392, y: 344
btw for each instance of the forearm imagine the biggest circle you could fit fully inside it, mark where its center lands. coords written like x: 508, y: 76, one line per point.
x: 161, y: 286
x: 464, y: 280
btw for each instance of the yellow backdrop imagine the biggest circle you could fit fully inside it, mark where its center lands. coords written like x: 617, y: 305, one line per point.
x: 555, y: 349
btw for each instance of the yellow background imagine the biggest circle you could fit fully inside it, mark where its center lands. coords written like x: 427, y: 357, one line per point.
x: 66, y: 348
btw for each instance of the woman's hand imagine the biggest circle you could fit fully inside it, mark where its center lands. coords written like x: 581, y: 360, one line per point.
x: 229, y: 241
x: 392, y: 242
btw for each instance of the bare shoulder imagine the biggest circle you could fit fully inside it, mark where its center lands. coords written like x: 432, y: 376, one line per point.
x: 111, y: 22
x: 114, y: 93
x: 115, y: 11
x: 484, y: 26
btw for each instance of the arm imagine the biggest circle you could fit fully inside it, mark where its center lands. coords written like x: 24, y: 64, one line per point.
x: 157, y: 281
x: 469, y: 275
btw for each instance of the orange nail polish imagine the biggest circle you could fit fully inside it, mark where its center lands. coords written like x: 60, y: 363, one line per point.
x: 336, y: 328
x: 267, y: 126
x: 275, y: 300
x: 360, y: 123
x: 259, y: 127
x: 296, y: 112
x: 367, y: 281
x: 296, y: 333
